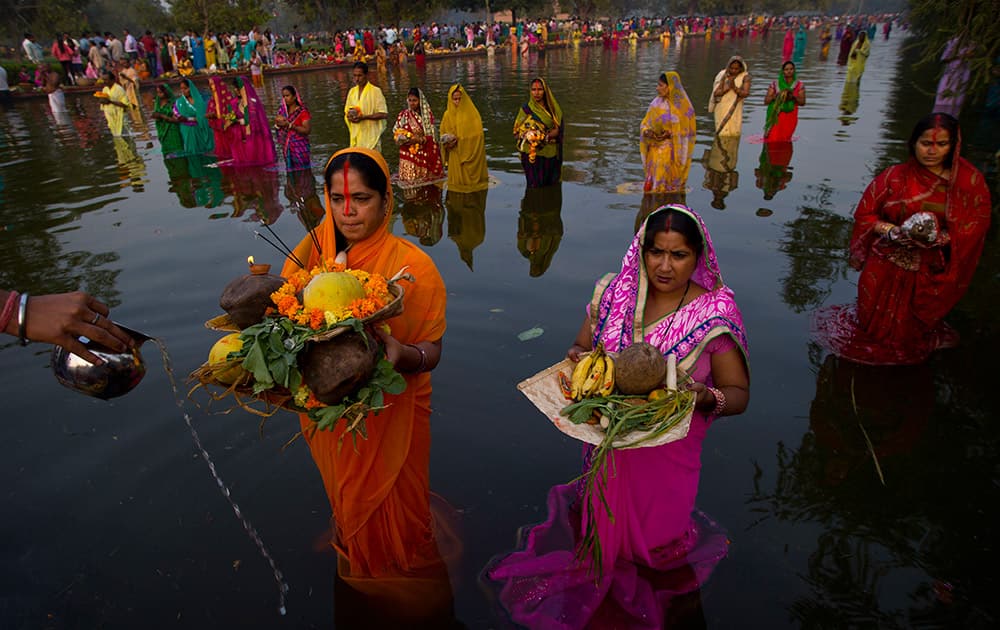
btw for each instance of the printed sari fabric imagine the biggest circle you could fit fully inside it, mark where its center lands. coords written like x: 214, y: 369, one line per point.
x: 221, y: 115
x: 656, y: 546
x: 904, y: 293
x: 167, y: 131
x: 728, y: 108
x: 783, y: 113
x: 384, y: 531
x: 195, y: 133
x: 546, y: 167
x: 666, y: 139
x: 294, y: 145
x: 467, y: 160
x: 419, y: 162
x: 255, y: 146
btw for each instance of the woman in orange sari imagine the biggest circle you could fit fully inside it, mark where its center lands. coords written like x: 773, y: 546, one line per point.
x: 379, y: 491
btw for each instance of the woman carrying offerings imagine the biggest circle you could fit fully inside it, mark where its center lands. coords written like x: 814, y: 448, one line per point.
x: 293, y: 124
x: 668, y: 293
x: 860, y: 49
x: 221, y: 115
x: 379, y: 490
x: 167, y: 127
x: 464, y: 143
x: 539, y: 131
x: 254, y: 146
x: 783, y: 99
x: 189, y: 110
x: 918, y: 234
x: 416, y: 133
x: 667, y: 135
x: 730, y: 89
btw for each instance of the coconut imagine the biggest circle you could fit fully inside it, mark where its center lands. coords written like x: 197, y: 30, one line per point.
x: 639, y: 369
x: 338, y: 367
x: 246, y: 298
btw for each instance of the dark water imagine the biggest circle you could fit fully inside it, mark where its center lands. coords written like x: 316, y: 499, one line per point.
x: 110, y: 518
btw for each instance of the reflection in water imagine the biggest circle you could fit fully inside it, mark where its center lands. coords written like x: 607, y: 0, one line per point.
x: 774, y: 171
x: 304, y: 202
x: 816, y: 246
x: 721, y: 176
x: 131, y: 166
x: 423, y: 213
x: 254, y: 189
x: 849, y: 100
x: 652, y: 201
x: 540, y: 227
x: 466, y: 221
x: 864, y: 423
x: 196, y: 180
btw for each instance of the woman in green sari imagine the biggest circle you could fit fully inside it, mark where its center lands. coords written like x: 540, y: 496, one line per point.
x: 189, y: 110
x: 539, y: 132
x: 168, y: 130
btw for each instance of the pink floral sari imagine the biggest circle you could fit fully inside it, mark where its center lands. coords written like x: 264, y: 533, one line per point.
x: 657, y: 546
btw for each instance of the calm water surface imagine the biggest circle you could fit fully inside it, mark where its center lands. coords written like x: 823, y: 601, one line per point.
x: 110, y: 518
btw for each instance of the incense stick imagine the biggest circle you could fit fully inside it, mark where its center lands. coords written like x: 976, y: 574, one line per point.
x: 284, y: 252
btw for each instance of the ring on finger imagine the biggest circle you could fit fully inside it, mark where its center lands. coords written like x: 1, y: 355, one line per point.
x: 97, y: 316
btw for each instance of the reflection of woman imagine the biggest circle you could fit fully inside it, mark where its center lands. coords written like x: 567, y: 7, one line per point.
x: 464, y: 143
x: 540, y: 122
x: 379, y: 489
x: 907, y: 286
x: 850, y: 98
x: 666, y: 137
x: 860, y: 49
x: 293, y: 124
x: 255, y: 145
x: 255, y: 189
x: 668, y: 293
x: 167, y: 128
x: 189, y: 109
x: 423, y: 214
x: 416, y: 134
x: 773, y: 174
x: 721, y: 176
x: 466, y: 221
x: 731, y: 87
x: 540, y: 227
x: 783, y: 99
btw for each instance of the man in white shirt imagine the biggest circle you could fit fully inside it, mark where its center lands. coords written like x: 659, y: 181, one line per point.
x: 32, y: 51
x: 115, y: 47
x: 131, y: 46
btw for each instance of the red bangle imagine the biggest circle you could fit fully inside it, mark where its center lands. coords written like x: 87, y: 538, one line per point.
x: 8, y: 310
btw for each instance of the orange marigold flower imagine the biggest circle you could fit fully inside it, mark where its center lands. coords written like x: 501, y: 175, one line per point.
x: 288, y: 305
x: 316, y: 319
x: 301, y: 318
x: 312, y: 402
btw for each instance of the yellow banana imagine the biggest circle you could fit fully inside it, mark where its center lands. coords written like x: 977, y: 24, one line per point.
x: 594, y: 378
x: 608, y: 384
x: 580, y: 373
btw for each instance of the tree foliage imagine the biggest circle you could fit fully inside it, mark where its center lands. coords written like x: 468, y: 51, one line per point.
x: 970, y: 22
x: 218, y: 15
x: 43, y: 18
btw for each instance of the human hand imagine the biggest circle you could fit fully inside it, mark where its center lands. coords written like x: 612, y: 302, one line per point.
x: 574, y: 352
x: 61, y: 319
x: 393, y: 348
x: 703, y: 397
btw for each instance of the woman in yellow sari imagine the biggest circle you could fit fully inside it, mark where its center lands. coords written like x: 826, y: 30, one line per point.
x: 539, y: 130
x: 464, y: 143
x: 667, y: 136
x: 858, y: 57
x: 379, y: 489
x: 730, y: 89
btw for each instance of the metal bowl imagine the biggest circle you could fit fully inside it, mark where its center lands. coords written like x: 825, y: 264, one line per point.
x: 118, y: 375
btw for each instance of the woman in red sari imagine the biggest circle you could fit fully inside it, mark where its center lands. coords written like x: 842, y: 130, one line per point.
x: 416, y: 134
x: 911, y: 278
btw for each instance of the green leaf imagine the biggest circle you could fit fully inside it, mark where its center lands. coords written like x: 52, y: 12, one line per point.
x: 256, y: 363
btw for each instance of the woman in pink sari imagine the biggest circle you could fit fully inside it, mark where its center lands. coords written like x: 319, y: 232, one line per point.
x: 254, y: 146
x: 657, y: 546
x: 221, y: 114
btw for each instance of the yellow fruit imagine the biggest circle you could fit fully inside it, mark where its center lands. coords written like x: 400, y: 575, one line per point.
x: 332, y: 291
x: 657, y: 394
x: 217, y: 356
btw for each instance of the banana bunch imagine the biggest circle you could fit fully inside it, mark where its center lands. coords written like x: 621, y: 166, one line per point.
x: 593, y: 376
